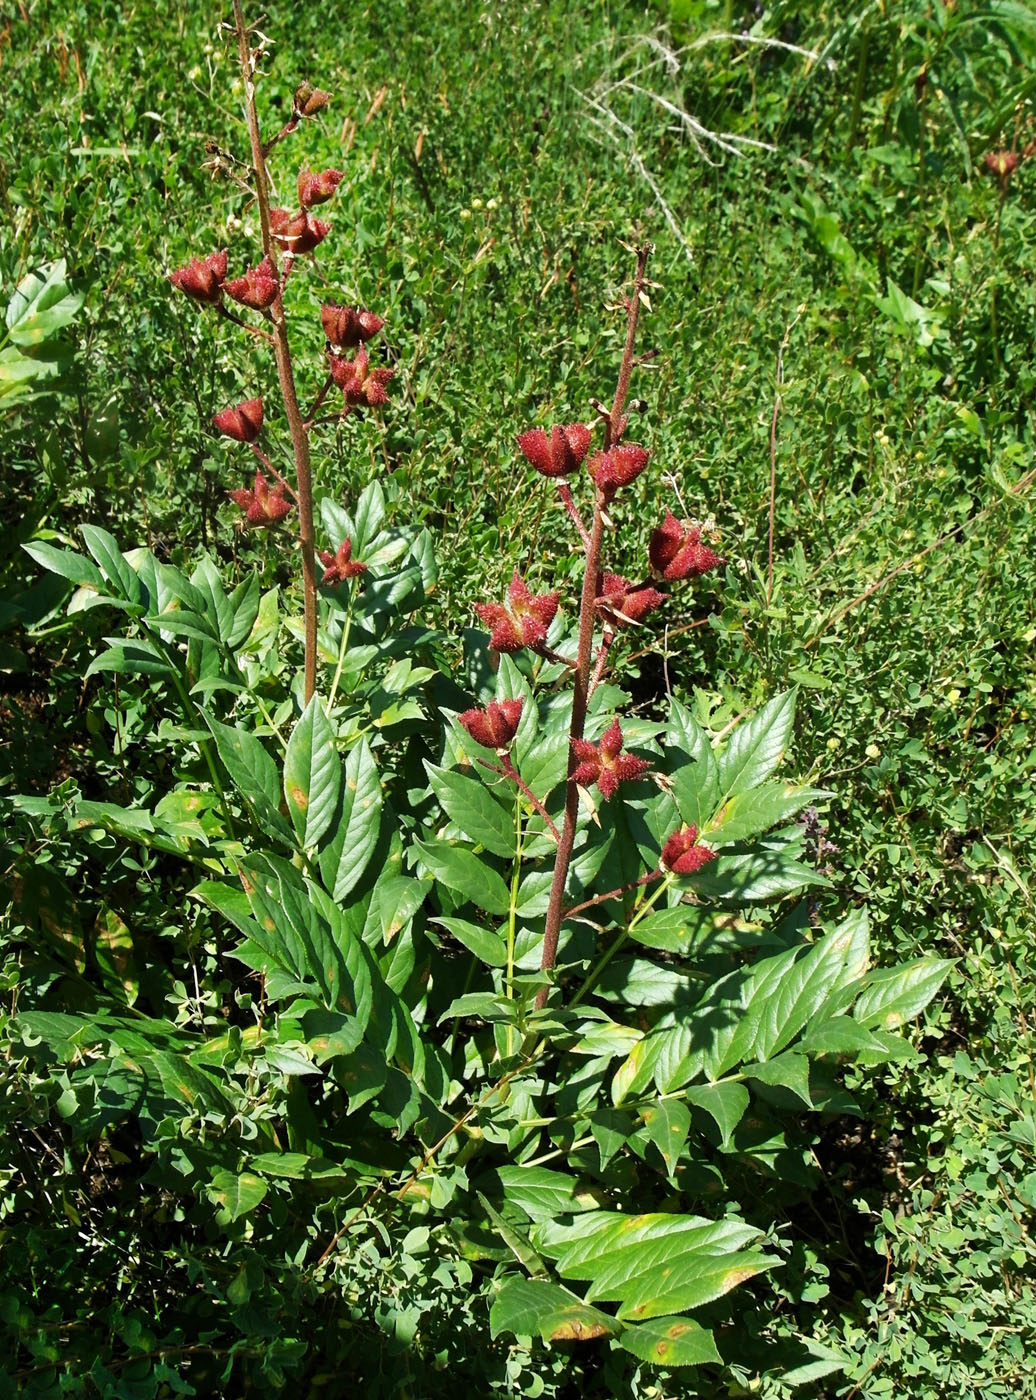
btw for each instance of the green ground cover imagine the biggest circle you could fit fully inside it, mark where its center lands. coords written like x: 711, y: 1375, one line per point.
x: 843, y: 379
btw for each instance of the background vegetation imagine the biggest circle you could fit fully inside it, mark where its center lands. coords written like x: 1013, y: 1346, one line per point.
x: 843, y: 326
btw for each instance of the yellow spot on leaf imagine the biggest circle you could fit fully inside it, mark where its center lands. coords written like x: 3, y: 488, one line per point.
x: 578, y: 1331
x: 297, y: 797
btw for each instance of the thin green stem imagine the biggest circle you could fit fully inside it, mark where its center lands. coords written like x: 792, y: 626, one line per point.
x: 195, y: 721
x: 342, y: 649
x: 859, y: 86
x: 644, y: 907
x: 512, y: 913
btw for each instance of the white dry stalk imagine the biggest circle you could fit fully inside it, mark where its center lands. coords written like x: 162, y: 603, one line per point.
x: 600, y: 99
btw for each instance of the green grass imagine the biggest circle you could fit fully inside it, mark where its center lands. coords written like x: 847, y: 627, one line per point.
x: 870, y: 246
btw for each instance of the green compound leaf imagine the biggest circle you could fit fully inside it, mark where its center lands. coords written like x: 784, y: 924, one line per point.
x: 671, y: 1341
x: 312, y: 774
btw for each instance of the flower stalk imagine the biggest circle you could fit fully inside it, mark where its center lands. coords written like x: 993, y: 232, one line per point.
x: 614, y: 427
x: 285, y: 372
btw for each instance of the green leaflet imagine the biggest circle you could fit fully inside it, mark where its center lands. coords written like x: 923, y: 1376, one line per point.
x: 750, y: 813
x: 112, y: 563
x: 486, y: 944
x: 218, y: 608
x: 892, y: 995
x: 40, y: 305
x: 357, y: 822
x: 535, y: 1308
x: 476, y: 810
x: 67, y: 564
x: 692, y: 766
x: 463, y: 871
x: 652, y: 1265
x: 538, y: 1192
x: 252, y: 771
x: 312, y: 774
x: 726, y: 1103
x: 668, y: 1121
x: 670, y: 1341
x: 236, y: 1194
x: 757, y: 746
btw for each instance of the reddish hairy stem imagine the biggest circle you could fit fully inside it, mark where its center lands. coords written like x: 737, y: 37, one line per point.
x: 565, y: 493
x: 273, y: 471
x: 252, y: 330
x: 549, y: 654
x: 285, y: 372
x: 614, y: 894
x: 602, y: 659
x: 506, y: 769
x: 315, y: 409
x: 587, y: 615
x: 286, y: 130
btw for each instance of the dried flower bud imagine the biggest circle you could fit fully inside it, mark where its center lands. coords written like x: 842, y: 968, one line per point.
x: 297, y: 233
x: 620, y: 602
x: 341, y: 565
x: 360, y: 385
x: 616, y: 468
x: 201, y: 278
x: 309, y: 100
x: 558, y: 454
x: 682, y: 855
x: 349, y: 326
x: 676, y: 550
x: 318, y: 189
x: 263, y: 505
x: 1002, y: 164
x: 243, y: 423
x: 257, y: 288
x: 605, y: 764
x: 522, y: 620
x: 496, y: 725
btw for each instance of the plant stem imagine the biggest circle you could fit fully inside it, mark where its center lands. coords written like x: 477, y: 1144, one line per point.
x: 859, y: 86
x: 512, y: 916
x: 285, y: 372
x: 508, y: 770
x: 565, y: 493
x: 587, y: 616
x: 598, y: 967
x: 342, y: 649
